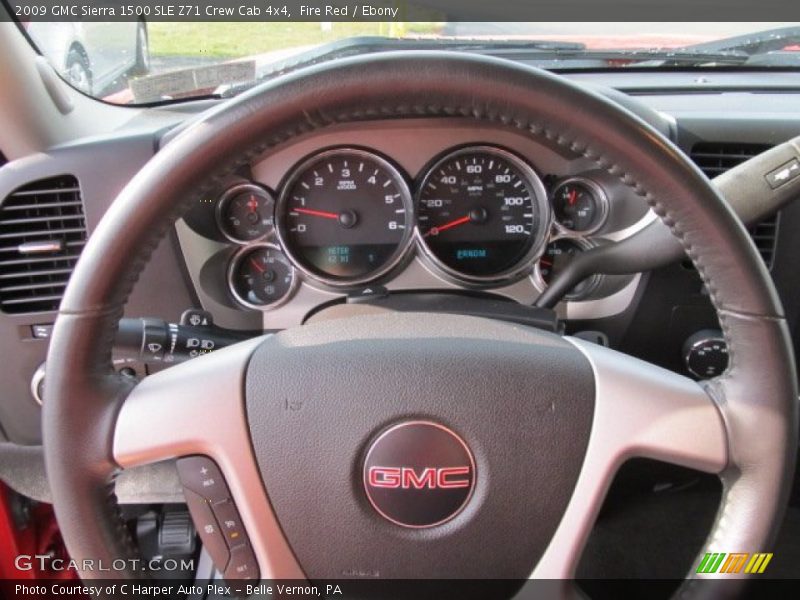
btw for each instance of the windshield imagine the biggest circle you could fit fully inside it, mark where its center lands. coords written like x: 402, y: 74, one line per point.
x: 140, y: 62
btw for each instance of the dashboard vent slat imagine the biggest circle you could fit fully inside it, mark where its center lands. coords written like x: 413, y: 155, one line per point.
x: 35, y: 286
x: 49, y: 210
x: 35, y: 274
x: 61, y: 205
x: 40, y: 232
x: 33, y: 220
x: 714, y: 159
x: 22, y: 193
x: 33, y: 260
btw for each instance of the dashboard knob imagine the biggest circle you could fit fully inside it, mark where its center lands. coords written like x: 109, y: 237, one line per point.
x: 705, y: 354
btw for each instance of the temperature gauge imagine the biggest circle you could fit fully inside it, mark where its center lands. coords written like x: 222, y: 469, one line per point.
x: 246, y: 213
x: 261, y: 277
x: 579, y: 205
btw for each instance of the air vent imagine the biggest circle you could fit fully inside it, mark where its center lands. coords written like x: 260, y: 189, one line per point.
x: 42, y: 232
x: 714, y: 159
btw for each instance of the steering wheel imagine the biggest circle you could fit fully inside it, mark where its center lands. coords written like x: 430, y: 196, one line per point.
x: 416, y: 445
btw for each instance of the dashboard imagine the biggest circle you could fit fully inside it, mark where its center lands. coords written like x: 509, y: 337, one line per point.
x: 247, y: 255
x: 404, y: 206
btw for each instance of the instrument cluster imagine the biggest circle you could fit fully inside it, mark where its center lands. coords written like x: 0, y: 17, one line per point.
x: 479, y: 216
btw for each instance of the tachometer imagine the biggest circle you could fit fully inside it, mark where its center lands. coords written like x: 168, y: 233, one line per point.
x: 482, y: 214
x: 344, y: 217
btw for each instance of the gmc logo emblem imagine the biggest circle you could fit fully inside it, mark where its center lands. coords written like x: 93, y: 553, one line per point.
x: 445, y: 478
x: 419, y: 489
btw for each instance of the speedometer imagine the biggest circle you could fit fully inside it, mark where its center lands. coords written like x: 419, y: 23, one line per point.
x: 482, y: 214
x: 344, y: 217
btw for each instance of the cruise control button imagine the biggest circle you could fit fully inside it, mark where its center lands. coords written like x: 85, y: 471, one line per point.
x: 203, y: 477
x: 229, y: 522
x: 209, y: 530
x: 242, y: 564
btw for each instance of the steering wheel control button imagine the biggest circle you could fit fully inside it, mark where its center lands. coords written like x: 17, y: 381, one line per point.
x: 229, y: 522
x: 200, y: 475
x: 242, y: 564
x: 419, y: 474
x: 216, y: 518
x: 208, y: 528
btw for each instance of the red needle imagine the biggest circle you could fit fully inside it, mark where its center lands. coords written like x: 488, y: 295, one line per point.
x: 450, y: 225
x: 316, y: 213
x: 252, y: 204
x: 573, y: 197
x: 258, y: 267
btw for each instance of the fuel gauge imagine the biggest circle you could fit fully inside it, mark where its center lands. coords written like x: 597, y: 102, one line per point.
x: 261, y: 277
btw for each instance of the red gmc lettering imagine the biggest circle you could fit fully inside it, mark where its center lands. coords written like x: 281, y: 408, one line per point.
x: 449, y: 478
x: 383, y: 477
x: 429, y: 477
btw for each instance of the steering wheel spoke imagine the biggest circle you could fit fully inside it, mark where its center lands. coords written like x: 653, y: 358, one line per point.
x: 197, y: 408
x: 641, y: 410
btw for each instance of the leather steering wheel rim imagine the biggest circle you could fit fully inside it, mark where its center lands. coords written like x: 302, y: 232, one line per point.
x: 757, y: 396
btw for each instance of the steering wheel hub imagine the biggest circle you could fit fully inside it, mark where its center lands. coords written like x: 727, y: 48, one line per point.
x: 373, y: 444
x: 419, y: 474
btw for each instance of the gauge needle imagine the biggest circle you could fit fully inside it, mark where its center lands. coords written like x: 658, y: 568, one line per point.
x: 446, y: 226
x: 316, y: 213
x: 573, y: 197
x: 252, y: 204
x: 257, y: 266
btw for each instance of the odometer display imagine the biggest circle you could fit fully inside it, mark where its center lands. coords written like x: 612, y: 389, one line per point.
x: 345, y: 216
x: 482, y: 214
